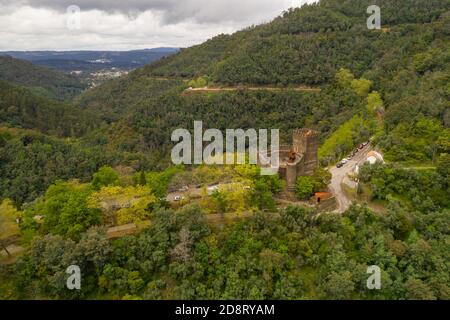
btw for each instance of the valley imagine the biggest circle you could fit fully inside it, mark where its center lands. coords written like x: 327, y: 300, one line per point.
x: 93, y: 67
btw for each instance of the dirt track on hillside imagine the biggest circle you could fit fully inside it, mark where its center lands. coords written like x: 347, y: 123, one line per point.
x: 226, y: 89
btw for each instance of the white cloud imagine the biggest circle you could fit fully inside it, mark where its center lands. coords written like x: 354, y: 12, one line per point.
x: 123, y: 25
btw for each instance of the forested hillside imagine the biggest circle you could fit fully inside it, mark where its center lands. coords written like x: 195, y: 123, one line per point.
x: 404, y: 66
x: 309, y: 45
x: 21, y: 107
x: 42, y: 81
x: 265, y: 257
x: 31, y: 161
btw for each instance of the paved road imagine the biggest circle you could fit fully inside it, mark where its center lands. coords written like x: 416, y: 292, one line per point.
x: 339, y: 174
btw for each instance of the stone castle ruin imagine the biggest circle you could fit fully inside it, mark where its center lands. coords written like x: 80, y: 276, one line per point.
x: 300, y: 158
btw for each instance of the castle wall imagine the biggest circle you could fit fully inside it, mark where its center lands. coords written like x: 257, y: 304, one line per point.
x: 305, y: 144
x: 282, y: 173
x: 291, y: 176
x: 327, y: 205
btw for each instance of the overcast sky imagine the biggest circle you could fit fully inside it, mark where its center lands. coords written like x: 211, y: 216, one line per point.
x: 127, y: 24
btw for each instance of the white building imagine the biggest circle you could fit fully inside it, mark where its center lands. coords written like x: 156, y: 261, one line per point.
x: 374, y: 157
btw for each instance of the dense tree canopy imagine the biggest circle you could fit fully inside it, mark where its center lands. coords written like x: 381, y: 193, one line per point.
x: 41, y: 81
x: 287, y: 257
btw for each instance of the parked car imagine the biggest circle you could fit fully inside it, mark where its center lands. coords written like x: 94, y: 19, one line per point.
x: 366, y: 143
x: 178, y: 198
x: 339, y: 165
x: 361, y: 146
x: 345, y: 160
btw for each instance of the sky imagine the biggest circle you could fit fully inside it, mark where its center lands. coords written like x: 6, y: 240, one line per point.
x: 127, y: 24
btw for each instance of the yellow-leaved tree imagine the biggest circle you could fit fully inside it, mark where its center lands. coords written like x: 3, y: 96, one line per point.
x: 375, y: 103
x: 122, y: 205
x: 361, y: 86
x: 237, y: 196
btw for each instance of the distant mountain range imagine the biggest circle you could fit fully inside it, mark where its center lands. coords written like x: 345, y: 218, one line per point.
x: 91, y: 61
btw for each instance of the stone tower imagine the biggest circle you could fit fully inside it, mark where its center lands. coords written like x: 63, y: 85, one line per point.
x: 306, y: 142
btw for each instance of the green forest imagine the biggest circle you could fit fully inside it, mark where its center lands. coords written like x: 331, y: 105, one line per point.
x: 41, y: 81
x: 76, y: 162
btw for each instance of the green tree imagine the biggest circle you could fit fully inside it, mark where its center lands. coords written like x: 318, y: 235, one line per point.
x: 339, y: 285
x: 159, y: 181
x: 142, y: 179
x: 375, y: 102
x: 345, y: 138
x: 304, y: 188
x: 106, y: 176
x: 200, y: 82
x: 443, y: 167
x: 361, y: 86
x: 220, y: 200
x: 262, y: 197
x: 322, y: 178
x: 416, y: 289
x: 423, y: 62
x: 8, y: 224
x: 65, y: 210
x: 344, y: 77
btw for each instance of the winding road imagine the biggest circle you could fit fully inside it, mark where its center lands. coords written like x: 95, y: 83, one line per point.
x: 338, y: 176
